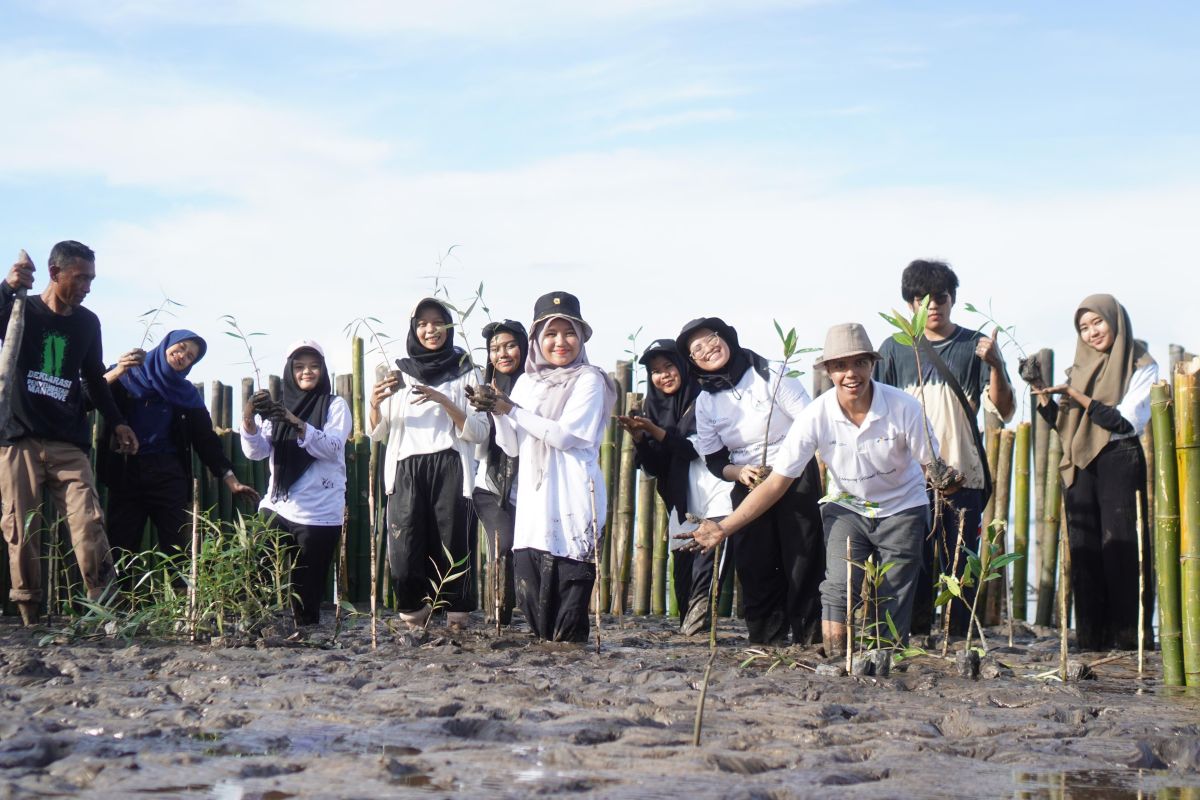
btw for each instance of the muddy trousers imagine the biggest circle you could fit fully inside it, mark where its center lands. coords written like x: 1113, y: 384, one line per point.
x: 1102, y: 536
x: 313, y: 547
x: 154, y: 487
x: 553, y: 594
x: 498, y: 529
x: 426, y: 516
x: 692, y: 575
x: 895, y: 539
x: 780, y: 561
x: 970, y: 502
x: 25, y: 467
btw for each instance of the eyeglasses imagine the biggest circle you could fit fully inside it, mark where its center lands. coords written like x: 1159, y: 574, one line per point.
x: 939, y: 299
x: 702, y: 346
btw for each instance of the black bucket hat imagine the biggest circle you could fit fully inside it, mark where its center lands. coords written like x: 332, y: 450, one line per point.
x: 560, y: 304
x: 714, y: 324
x: 665, y: 347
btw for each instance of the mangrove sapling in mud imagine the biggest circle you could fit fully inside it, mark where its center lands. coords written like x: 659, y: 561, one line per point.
x: 238, y: 585
x: 714, y: 594
x: 981, y: 567
x: 791, y: 352
x: 1028, y: 367
x: 455, y: 570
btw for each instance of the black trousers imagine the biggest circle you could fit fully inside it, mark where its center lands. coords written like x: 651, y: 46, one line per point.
x: 553, y: 594
x: 945, y: 533
x: 1102, y: 537
x: 499, y: 529
x: 314, y: 547
x: 427, y: 516
x: 692, y: 574
x: 154, y: 487
x: 781, y: 562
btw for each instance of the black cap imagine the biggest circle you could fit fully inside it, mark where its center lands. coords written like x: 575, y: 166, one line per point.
x: 715, y: 324
x: 560, y: 304
x: 659, y: 347
x: 510, y: 325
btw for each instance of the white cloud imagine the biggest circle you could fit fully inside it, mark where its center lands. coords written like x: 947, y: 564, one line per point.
x: 679, y: 119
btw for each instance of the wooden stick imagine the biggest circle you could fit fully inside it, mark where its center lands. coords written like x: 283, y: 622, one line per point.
x: 374, y: 450
x: 714, y: 593
x: 1141, y: 585
x: 497, y: 579
x: 339, y: 567
x: 195, y: 558
x: 1062, y: 597
x: 595, y: 553
x: 962, y: 524
x: 849, y: 608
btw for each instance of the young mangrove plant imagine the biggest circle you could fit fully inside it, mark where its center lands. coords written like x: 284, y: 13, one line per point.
x: 1028, y: 367
x: 791, y: 352
x: 454, y: 571
x: 235, y: 330
x: 380, y: 341
x: 149, y: 319
x: 981, y: 567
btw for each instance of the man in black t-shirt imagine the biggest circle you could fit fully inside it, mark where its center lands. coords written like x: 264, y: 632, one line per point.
x: 975, y: 362
x: 47, y: 440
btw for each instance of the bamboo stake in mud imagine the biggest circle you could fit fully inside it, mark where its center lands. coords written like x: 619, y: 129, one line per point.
x: 1020, y: 576
x: 1048, y: 543
x: 595, y: 552
x: 195, y: 569
x: 1063, y: 590
x: 1141, y: 531
x: 644, y: 548
x: 849, y: 609
x: 713, y: 594
x: 373, y: 467
x: 1166, y: 534
x: 1187, y: 455
x: 997, y: 594
x: 339, y: 568
x: 658, y: 574
x: 497, y: 578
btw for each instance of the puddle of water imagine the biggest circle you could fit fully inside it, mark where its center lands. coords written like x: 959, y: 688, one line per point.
x: 1102, y: 784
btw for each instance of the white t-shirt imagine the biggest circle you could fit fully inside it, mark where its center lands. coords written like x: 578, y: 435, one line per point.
x: 1135, y: 405
x: 557, y: 516
x: 414, y: 429
x: 318, y: 497
x: 737, y: 418
x: 708, y: 497
x: 874, y: 469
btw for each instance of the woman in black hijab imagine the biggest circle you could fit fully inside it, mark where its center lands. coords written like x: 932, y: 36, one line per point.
x: 663, y: 439
x: 781, y: 555
x: 496, y: 479
x: 429, y: 465
x: 304, y: 436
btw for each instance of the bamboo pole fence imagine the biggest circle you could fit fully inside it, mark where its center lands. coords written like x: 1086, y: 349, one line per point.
x: 1166, y: 534
x: 1187, y: 454
x: 1020, y: 526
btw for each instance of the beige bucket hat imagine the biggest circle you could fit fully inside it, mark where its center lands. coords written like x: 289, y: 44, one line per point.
x: 845, y: 340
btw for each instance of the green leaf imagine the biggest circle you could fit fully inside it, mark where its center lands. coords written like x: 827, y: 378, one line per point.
x: 794, y: 373
x: 971, y: 308
x: 952, y: 585
x: 891, y: 320
x: 778, y: 330
x: 903, y: 338
x: 892, y: 626
x: 942, y: 599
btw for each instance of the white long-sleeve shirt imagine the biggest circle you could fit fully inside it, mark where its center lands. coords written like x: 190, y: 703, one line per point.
x: 557, y: 516
x: 414, y: 429
x: 1135, y: 404
x: 318, y: 497
x: 736, y: 418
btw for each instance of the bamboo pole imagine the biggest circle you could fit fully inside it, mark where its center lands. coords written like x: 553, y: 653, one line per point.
x: 192, y: 586
x: 371, y: 481
x: 644, y: 549
x: 601, y: 594
x: 672, y: 604
x: 1187, y: 455
x: 275, y: 387
x: 992, y: 449
x: 1048, y: 544
x: 995, y: 595
x: 357, y: 378
x: 1020, y: 578
x: 1141, y: 632
x: 622, y: 553
x: 225, y: 497
x: 1063, y: 591
x: 658, y: 575
x: 227, y: 406
x: 1166, y: 534
x: 849, y: 608
x: 1040, y: 445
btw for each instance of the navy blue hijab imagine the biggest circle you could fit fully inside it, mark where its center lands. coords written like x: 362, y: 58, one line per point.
x: 156, y: 377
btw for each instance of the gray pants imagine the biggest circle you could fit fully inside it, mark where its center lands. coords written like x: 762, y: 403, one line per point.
x: 895, y: 539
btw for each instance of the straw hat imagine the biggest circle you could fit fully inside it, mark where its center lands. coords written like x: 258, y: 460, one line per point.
x: 845, y: 340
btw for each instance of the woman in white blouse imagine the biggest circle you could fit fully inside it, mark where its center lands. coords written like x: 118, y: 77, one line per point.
x: 1104, y: 407
x: 421, y: 411
x: 554, y: 422
x: 304, y: 436
x: 780, y: 557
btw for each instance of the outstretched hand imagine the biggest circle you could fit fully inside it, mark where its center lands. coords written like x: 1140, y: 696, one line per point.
x: 704, y: 538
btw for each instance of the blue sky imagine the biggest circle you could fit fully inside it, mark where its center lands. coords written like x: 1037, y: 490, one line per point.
x: 303, y: 163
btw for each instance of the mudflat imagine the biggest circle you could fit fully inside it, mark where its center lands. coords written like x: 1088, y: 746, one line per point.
x: 474, y: 714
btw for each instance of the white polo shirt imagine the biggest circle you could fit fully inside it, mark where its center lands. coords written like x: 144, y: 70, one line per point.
x: 874, y: 469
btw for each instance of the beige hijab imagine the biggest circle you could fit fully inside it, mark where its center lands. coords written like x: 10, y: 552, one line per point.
x: 1100, y: 376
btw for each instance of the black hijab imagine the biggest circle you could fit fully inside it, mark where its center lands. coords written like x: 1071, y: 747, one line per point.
x: 740, y: 358
x: 501, y: 469
x: 432, y: 367
x: 289, y: 460
x: 671, y: 410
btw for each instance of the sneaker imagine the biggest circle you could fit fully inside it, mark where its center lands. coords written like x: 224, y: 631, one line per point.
x: 416, y: 619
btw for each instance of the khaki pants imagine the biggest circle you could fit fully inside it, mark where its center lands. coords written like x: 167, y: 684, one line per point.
x: 24, y: 468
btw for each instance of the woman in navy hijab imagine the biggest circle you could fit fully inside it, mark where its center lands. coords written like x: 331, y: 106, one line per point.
x: 169, y: 417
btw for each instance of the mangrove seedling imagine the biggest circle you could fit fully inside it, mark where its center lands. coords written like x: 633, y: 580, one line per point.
x: 235, y: 330
x: 1028, y: 366
x: 379, y: 340
x: 790, y: 353
x: 986, y: 565
x: 149, y: 319
x: 453, y: 572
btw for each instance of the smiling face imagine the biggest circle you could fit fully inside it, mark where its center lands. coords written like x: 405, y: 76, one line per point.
x: 504, y: 352
x: 182, y: 355
x: 851, y: 377
x: 306, y: 370
x: 1095, y: 331
x: 665, y: 375
x: 708, y: 350
x: 559, y: 342
x: 431, y: 328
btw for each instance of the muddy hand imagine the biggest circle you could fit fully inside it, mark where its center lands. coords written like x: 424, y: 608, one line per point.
x: 262, y: 403
x: 127, y: 441
x: 21, y: 274
x: 482, y: 398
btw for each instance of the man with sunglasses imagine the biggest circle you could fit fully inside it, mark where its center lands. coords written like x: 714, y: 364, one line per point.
x: 973, y: 360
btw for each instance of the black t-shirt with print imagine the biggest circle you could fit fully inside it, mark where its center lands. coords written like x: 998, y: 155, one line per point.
x: 61, y: 357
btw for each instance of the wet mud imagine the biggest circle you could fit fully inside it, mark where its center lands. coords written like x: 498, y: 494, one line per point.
x: 474, y: 714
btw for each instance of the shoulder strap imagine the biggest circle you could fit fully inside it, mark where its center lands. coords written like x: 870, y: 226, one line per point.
x: 950, y: 380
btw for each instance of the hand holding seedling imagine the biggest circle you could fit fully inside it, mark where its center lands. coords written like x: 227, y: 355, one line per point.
x: 751, y: 475
x: 127, y: 441
x: 21, y: 274
x: 384, y: 389
x: 134, y: 358
x: 489, y: 399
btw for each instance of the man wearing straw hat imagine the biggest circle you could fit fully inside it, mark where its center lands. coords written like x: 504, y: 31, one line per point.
x: 874, y: 443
